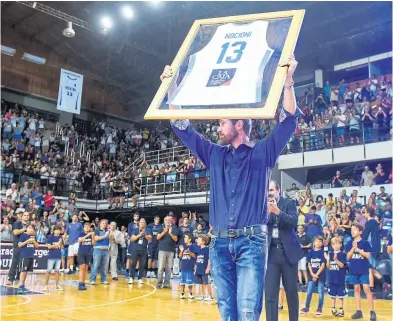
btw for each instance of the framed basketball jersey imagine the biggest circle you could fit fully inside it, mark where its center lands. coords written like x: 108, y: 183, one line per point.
x: 229, y: 69
x: 229, y: 66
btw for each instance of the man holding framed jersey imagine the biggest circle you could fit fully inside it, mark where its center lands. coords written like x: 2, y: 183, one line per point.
x: 239, y: 175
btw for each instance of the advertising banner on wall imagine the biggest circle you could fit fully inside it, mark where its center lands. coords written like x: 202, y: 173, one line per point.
x: 40, y: 258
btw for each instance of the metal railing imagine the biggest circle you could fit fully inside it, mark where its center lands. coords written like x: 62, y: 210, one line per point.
x: 314, y: 140
x: 180, y: 185
x: 165, y: 189
x: 333, y: 137
x: 170, y: 155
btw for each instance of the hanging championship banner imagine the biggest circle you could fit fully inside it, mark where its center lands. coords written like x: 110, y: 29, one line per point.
x: 70, y: 92
x: 229, y: 66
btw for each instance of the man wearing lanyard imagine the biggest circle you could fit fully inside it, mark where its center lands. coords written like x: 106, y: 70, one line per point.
x: 284, y: 254
x: 239, y: 178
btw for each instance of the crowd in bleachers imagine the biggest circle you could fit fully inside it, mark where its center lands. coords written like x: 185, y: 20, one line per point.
x: 32, y: 150
x: 36, y: 168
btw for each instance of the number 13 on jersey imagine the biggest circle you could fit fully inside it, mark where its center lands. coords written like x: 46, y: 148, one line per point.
x: 234, y: 54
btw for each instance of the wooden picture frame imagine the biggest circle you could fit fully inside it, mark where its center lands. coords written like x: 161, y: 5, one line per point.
x: 158, y: 108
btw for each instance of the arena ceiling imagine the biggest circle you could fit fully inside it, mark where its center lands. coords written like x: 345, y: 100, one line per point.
x: 131, y: 56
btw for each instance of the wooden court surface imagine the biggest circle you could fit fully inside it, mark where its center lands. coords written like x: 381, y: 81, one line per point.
x: 119, y: 301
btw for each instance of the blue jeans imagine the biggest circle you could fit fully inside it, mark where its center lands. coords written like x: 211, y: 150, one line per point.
x: 238, y: 268
x: 100, y: 261
x: 321, y: 292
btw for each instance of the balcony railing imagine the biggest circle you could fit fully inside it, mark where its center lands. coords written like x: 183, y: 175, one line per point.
x: 309, y: 141
x: 175, y: 185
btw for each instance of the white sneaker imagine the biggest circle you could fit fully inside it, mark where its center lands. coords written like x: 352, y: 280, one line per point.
x: 45, y: 289
x: 190, y: 296
x: 59, y: 288
x: 66, y: 270
x: 208, y: 298
x: 182, y: 296
x: 93, y: 282
x: 200, y: 298
x: 153, y: 275
x: 140, y: 281
x: 130, y: 281
x: 148, y: 274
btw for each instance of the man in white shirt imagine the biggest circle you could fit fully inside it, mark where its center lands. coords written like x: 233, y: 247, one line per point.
x: 367, y: 177
x: 341, y: 120
x: 114, y: 250
x: 13, y: 192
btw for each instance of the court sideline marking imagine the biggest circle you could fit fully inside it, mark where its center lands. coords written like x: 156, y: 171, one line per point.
x: 18, y: 304
x: 87, y: 306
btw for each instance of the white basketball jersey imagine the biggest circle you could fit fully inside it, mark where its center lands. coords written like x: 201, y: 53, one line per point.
x: 228, y: 70
x: 69, y: 94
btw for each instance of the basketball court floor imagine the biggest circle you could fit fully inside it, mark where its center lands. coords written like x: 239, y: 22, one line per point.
x: 119, y: 301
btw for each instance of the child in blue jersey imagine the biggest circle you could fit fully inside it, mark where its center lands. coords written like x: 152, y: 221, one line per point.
x: 26, y: 244
x: 187, y: 257
x: 202, y: 269
x: 336, y: 270
x: 54, y: 243
x: 316, y: 263
x: 85, y: 254
x: 358, y: 252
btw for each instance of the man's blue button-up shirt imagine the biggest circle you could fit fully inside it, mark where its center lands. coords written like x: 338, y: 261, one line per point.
x: 239, y: 178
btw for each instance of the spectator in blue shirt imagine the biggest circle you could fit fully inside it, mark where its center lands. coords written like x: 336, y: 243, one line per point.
x: 73, y: 230
x: 54, y: 243
x: 102, y: 237
x: 316, y: 263
x: 358, y: 253
x: 187, y: 256
x: 26, y: 244
x: 239, y: 179
x: 313, y: 223
x: 336, y: 271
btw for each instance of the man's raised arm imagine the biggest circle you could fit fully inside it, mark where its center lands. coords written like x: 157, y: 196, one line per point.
x: 194, y: 141
x: 276, y: 141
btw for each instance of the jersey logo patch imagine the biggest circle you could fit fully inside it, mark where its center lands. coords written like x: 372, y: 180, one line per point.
x: 221, y: 77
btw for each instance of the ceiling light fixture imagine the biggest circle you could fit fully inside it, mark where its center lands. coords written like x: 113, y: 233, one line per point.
x: 32, y: 58
x: 127, y: 12
x: 8, y: 50
x: 106, y: 22
x: 69, y: 32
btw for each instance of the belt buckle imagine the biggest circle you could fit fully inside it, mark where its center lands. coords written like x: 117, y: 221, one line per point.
x: 232, y: 233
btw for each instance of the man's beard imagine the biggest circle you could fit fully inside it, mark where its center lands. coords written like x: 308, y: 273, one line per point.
x: 228, y: 139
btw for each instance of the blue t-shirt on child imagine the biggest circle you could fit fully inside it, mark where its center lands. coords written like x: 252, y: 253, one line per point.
x: 202, y: 260
x: 358, y: 265
x: 337, y: 274
x: 54, y: 254
x: 27, y: 251
x: 316, y: 258
x: 86, y: 246
x: 187, y: 261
